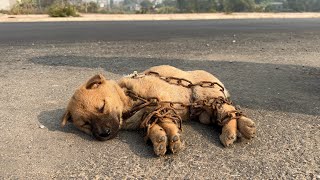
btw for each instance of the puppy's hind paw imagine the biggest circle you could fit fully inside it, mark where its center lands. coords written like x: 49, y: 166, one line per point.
x: 246, y: 127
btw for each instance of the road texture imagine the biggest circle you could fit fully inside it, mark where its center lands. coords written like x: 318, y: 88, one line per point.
x: 271, y: 68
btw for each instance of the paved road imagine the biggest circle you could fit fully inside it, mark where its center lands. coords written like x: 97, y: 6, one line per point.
x: 271, y: 68
x: 144, y: 30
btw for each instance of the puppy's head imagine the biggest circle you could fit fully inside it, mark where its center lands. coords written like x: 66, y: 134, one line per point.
x: 96, y: 108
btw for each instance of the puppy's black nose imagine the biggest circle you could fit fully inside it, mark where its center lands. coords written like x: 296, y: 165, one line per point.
x: 105, y: 133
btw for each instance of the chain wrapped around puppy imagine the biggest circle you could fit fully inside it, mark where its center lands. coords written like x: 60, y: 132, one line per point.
x: 162, y: 110
x: 167, y: 109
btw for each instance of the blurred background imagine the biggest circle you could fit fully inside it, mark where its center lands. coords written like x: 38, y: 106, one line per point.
x: 62, y: 8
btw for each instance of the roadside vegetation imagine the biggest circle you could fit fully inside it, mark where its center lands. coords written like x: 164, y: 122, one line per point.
x: 63, y: 8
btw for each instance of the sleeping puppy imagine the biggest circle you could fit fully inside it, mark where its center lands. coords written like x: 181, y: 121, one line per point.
x: 101, y: 107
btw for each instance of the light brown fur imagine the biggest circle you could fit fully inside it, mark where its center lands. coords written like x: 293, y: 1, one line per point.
x: 98, y: 105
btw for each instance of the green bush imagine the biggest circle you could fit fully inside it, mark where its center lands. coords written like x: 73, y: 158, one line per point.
x: 4, y: 12
x: 24, y: 7
x: 113, y: 11
x: 238, y: 5
x: 58, y: 9
x: 166, y: 10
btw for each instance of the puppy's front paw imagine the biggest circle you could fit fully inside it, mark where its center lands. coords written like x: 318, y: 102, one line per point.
x: 246, y: 127
x: 175, y: 143
x: 160, y: 145
x: 158, y: 137
x: 229, y: 133
x: 228, y: 137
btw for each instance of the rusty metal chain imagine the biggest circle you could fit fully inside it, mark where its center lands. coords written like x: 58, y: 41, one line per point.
x: 159, y: 115
x: 184, y: 82
x: 167, y: 109
x: 235, y: 114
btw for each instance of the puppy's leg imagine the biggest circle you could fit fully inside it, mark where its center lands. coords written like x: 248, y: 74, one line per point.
x: 173, y: 134
x: 229, y: 130
x: 205, y: 116
x: 158, y: 137
x: 229, y: 133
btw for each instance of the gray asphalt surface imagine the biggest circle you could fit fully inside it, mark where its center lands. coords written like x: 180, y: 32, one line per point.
x: 271, y: 68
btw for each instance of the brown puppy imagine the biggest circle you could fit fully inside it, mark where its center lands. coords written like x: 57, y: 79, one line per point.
x: 102, y: 107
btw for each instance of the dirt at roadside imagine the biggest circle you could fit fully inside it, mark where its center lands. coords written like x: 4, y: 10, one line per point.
x: 153, y: 17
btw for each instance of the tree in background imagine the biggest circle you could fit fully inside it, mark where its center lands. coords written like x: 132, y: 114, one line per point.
x: 25, y: 7
x: 92, y: 7
x: 166, y: 7
x: 128, y: 2
x: 238, y: 5
x: 170, y: 3
x: 111, y: 3
x: 297, y: 5
x: 263, y: 5
x: 208, y: 6
x: 181, y: 5
x: 304, y: 5
x: 187, y: 6
x: 146, y: 6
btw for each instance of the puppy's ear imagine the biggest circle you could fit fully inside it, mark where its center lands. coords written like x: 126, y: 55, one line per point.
x: 95, y: 81
x: 66, y: 117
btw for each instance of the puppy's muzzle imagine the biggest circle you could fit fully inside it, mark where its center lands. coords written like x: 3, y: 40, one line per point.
x: 105, y: 128
x: 102, y: 134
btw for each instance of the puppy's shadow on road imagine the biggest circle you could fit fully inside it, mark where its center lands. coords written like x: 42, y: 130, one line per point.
x: 196, y: 134
x: 134, y: 139
x: 210, y: 132
x: 50, y: 119
x: 136, y: 143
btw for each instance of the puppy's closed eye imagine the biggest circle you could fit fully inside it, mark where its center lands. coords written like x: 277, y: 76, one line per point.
x: 101, y: 109
x: 86, y: 125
